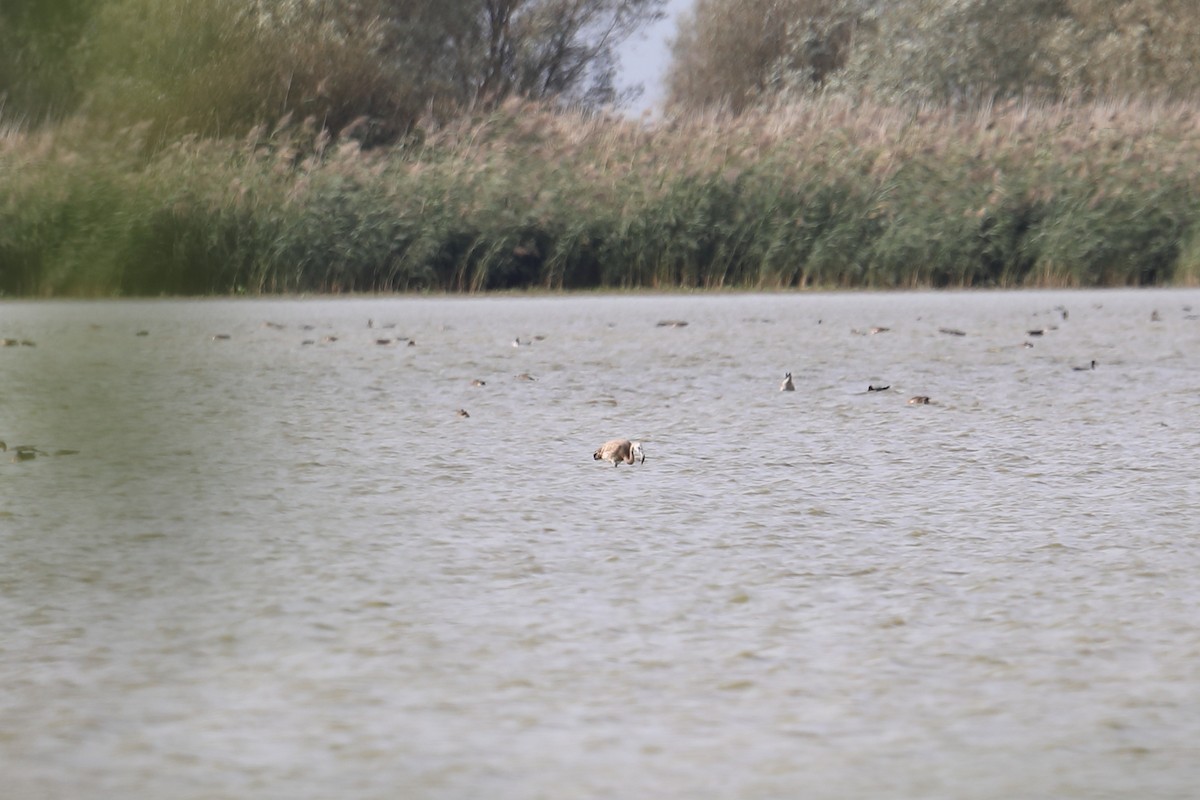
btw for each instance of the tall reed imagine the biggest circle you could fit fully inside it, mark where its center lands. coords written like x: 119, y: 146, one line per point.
x: 825, y: 194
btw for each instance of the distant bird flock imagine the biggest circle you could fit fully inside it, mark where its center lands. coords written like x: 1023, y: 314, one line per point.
x: 614, y: 451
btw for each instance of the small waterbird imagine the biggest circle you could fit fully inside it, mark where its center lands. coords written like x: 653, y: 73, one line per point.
x: 787, y: 385
x: 619, y: 450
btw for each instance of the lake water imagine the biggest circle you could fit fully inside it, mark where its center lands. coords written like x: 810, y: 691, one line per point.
x: 287, y: 570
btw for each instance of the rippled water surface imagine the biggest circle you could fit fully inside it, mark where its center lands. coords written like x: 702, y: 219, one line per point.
x: 286, y: 570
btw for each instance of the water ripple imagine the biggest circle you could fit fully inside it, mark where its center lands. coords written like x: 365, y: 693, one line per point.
x: 277, y: 570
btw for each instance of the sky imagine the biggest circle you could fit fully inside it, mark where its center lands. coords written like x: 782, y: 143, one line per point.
x: 644, y: 58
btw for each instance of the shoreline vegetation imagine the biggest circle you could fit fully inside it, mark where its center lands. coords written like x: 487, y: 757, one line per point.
x: 829, y: 193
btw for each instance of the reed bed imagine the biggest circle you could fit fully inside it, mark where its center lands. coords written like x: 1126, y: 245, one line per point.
x: 831, y: 193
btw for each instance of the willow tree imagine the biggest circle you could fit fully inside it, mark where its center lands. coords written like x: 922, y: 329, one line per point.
x: 480, y: 52
x: 37, y: 38
x: 735, y: 53
x: 221, y: 67
x: 977, y: 50
x: 740, y: 52
x: 960, y: 50
x: 1129, y: 47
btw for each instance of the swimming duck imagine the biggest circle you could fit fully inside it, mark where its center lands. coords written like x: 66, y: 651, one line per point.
x: 24, y: 452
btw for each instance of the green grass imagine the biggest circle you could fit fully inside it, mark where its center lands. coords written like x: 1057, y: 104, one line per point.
x: 827, y: 194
